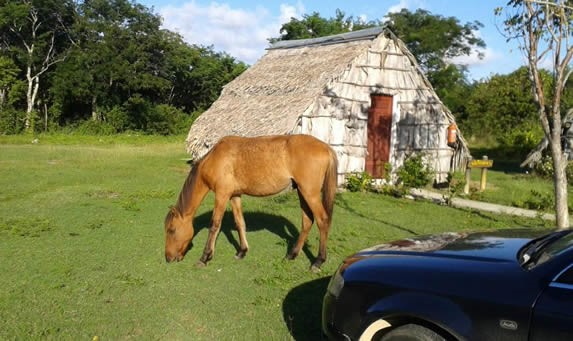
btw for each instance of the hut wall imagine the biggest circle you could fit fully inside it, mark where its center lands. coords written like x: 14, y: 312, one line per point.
x: 339, y: 115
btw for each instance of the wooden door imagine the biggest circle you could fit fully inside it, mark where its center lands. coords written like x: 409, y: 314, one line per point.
x: 379, y: 132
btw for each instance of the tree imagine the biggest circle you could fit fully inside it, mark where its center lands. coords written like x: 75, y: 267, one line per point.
x: 120, y: 53
x: 313, y: 26
x: 8, y: 73
x: 35, y: 31
x: 104, y: 65
x: 502, y: 108
x: 543, y: 29
x: 435, y: 41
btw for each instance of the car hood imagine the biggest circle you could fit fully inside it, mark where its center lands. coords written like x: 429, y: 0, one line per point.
x: 483, y: 263
x: 501, y: 246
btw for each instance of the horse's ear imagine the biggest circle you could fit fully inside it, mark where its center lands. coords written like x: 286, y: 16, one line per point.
x: 174, y: 211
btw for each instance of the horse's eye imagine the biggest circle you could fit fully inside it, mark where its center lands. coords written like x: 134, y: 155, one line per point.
x: 171, y: 231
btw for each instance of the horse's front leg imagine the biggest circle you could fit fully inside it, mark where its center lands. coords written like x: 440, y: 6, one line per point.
x: 241, y: 226
x: 218, y: 211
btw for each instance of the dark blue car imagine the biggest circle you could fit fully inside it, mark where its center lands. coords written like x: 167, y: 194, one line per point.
x: 505, y: 285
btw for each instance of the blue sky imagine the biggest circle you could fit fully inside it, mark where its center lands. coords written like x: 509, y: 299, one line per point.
x: 241, y: 28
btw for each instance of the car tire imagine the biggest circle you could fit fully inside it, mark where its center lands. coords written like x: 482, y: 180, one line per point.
x: 411, y: 332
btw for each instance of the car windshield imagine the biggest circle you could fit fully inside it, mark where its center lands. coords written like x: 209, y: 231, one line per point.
x: 543, y: 249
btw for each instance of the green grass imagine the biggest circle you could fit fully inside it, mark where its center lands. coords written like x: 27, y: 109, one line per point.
x: 81, y: 248
x: 509, y: 184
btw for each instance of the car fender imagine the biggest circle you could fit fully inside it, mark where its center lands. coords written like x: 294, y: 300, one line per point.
x: 436, y: 310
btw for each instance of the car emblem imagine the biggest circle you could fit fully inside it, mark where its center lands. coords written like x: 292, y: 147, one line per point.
x: 508, y: 324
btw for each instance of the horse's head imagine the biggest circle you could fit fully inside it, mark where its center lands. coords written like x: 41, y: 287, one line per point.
x: 178, y: 235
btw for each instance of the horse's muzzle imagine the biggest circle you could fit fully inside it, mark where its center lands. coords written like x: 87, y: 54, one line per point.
x: 170, y: 259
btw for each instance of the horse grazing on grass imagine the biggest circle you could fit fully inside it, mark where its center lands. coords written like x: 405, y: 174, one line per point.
x: 256, y: 166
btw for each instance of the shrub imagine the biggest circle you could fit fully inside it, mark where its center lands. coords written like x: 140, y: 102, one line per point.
x: 117, y: 118
x: 11, y: 121
x: 91, y: 127
x: 544, y: 168
x: 359, y: 182
x: 456, y: 184
x: 140, y: 115
x: 414, y: 172
x: 537, y: 201
x: 169, y: 120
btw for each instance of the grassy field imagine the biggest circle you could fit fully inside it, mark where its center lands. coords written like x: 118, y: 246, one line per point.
x: 81, y: 247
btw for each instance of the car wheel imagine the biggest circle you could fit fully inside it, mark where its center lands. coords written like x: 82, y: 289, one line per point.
x: 411, y: 332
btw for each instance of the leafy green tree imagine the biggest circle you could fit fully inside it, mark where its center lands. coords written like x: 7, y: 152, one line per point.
x: 502, y: 108
x: 313, y: 26
x: 106, y: 61
x: 120, y: 49
x: 435, y: 40
x: 35, y: 33
x: 217, y: 68
x: 8, y: 73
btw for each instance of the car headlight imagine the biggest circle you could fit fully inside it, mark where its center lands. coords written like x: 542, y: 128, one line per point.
x: 336, y: 284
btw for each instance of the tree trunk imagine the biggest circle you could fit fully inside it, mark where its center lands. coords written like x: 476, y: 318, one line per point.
x: 561, y: 200
x: 95, y: 115
x: 45, y: 118
x: 29, y: 99
x: 2, y: 98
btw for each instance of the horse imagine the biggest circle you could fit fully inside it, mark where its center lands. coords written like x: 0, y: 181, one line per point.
x: 255, y: 166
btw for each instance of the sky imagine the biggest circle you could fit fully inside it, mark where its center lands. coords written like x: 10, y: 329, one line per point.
x: 241, y: 27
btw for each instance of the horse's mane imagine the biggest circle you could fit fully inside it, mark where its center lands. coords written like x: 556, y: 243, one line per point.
x: 185, y: 193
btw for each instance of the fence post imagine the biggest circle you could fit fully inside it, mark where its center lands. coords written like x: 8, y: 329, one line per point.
x: 468, y: 176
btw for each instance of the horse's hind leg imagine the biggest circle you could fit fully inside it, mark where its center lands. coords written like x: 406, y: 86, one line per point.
x: 307, y: 220
x: 218, y: 211
x: 314, y: 202
x: 241, y: 226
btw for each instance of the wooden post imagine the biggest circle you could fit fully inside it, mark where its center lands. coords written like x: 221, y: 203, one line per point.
x: 468, y: 176
x: 483, y: 179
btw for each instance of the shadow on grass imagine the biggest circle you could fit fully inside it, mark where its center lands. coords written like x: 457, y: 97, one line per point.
x: 302, y: 309
x: 348, y: 206
x: 256, y: 221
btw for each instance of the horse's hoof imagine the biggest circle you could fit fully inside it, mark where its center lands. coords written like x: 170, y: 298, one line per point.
x: 240, y: 254
x: 291, y: 256
x: 200, y: 264
x: 315, y: 269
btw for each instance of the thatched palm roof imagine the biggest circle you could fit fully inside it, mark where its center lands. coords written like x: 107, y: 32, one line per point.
x: 269, y: 96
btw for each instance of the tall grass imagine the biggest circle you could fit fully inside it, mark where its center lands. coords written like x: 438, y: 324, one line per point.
x: 81, y: 248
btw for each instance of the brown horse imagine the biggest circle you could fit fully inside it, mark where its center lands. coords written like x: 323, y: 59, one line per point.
x: 257, y: 166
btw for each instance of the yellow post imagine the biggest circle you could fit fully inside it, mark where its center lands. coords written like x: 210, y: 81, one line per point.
x: 483, y: 179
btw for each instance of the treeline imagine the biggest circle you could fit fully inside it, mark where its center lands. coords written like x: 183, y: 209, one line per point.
x: 101, y: 66
x: 107, y: 66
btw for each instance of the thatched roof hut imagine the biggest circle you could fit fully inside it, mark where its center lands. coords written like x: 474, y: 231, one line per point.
x: 332, y: 88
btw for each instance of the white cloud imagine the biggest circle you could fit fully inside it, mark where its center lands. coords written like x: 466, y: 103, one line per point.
x: 489, y: 56
x: 242, y: 33
x: 288, y: 12
x: 407, y: 4
x: 398, y: 7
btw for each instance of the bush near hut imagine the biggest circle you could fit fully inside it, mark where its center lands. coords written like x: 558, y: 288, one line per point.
x: 359, y: 182
x: 415, y: 173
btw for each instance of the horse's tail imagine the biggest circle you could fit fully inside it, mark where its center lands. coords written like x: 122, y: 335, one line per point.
x: 330, y: 184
